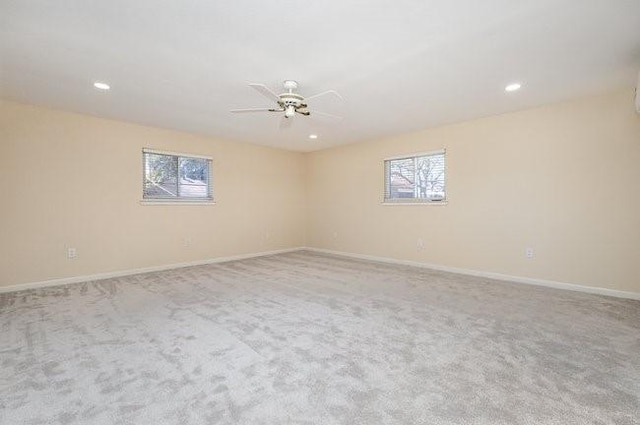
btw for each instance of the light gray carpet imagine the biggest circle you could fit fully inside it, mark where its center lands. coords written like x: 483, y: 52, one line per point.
x: 304, y: 338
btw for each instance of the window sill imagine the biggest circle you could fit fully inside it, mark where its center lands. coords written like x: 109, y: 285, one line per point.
x: 174, y: 202
x: 432, y: 203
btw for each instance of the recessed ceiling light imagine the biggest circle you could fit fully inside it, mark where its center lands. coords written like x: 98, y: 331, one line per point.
x: 313, y: 136
x: 513, y: 87
x: 101, y: 86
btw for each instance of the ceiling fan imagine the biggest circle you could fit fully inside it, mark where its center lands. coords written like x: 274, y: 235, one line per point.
x: 289, y: 102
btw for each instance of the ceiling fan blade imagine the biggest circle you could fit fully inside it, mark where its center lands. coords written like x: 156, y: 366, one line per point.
x: 324, y: 93
x: 265, y: 91
x: 285, y: 123
x: 257, y: 110
x: 324, y: 114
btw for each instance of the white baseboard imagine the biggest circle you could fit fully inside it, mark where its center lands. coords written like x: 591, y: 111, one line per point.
x: 490, y: 275
x: 107, y: 275
x: 497, y: 276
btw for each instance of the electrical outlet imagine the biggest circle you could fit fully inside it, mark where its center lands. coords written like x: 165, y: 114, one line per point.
x: 71, y: 253
x: 335, y: 235
x: 420, y: 244
x: 528, y: 253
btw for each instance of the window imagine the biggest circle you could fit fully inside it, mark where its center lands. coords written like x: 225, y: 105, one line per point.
x: 175, y: 177
x: 415, y: 179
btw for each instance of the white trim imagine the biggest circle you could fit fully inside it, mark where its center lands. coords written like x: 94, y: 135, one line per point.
x: 180, y: 154
x: 186, y: 201
x: 413, y: 155
x: 490, y: 275
x: 414, y: 203
x: 120, y: 273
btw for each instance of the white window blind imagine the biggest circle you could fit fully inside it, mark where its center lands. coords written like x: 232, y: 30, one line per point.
x: 418, y: 178
x: 169, y: 176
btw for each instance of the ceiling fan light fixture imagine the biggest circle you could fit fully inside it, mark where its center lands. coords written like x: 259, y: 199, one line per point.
x: 290, y: 111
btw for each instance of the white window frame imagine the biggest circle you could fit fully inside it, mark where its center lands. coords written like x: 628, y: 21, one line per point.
x: 387, y: 200
x: 177, y: 200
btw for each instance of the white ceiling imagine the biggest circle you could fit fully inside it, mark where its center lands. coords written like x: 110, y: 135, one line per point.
x: 400, y: 65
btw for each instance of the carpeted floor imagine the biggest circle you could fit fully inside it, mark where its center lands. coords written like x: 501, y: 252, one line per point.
x: 305, y: 338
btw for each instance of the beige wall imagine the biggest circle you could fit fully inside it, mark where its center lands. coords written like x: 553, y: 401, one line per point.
x: 70, y: 180
x: 563, y: 179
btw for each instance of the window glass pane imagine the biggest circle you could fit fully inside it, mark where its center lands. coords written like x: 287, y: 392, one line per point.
x: 194, y: 177
x: 430, y: 177
x: 415, y: 178
x: 401, y: 178
x: 160, y: 176
x: 168, y: 176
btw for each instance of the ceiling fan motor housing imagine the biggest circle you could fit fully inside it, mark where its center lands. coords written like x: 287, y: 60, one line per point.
x: 291, y: 99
